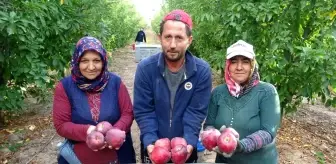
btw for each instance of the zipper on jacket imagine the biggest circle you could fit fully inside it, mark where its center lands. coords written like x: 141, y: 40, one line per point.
x: 171, y: 108
x: 171, y: 116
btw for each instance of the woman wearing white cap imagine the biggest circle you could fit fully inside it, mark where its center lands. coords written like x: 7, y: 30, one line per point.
x: 249, y: 106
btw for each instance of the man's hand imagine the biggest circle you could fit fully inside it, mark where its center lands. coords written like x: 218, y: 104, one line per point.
x: 189, y: 150
x: 150, y: 148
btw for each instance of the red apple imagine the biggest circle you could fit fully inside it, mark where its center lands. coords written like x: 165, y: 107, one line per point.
x: 103, y: 127
x: 95, y: 140
x: 178, y: 141
x: 205, y: 133
x: 234, y: 132
x: 115, y: 138
x: 160, y: 155
x: 209, y: 138
x: 163, y: 142
x: 179, y: 154
x: 227, y: 142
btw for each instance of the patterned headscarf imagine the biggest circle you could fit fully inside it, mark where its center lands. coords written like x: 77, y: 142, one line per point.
x: 98, y: 84
x: 236, y: 89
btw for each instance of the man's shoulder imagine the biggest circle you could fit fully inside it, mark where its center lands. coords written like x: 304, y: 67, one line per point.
x: 201, y: 63
x: 198, y: 61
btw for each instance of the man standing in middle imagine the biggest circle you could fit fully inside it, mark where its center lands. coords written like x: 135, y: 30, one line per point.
x: 172, y: 89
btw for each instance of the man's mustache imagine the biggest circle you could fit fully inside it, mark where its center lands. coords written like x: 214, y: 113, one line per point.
x: 172, y: 51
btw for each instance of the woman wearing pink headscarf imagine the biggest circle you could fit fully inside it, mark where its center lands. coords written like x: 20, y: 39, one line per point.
x: 249, y: 106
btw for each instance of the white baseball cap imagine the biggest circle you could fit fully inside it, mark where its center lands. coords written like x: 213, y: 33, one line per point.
x: 240, y: 48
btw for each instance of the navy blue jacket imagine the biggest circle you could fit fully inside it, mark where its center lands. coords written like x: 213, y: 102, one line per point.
x: 152, y: 110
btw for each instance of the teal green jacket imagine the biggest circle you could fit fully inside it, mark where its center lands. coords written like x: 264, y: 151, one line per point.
x: 258, y: 109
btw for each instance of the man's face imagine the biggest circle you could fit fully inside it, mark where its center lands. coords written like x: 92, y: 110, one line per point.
x: 174, y: 40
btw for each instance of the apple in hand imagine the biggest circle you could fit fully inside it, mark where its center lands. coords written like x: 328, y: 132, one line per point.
x: 227, y: 142
x: 103, y: 127
x: 179, y: 154
x: 163, y: 142
x: 209, y: 138
x: 231, y: 130
x: 115, y: 138
x: 160, y: 155
x: 178, y: 141
x: 95, y: 140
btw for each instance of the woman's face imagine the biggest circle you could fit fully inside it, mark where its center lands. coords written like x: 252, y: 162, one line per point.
x: 91, y: 65
x: 240, y: 69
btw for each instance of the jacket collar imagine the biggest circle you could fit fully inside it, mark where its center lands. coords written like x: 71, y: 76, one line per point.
x: 190, y: 64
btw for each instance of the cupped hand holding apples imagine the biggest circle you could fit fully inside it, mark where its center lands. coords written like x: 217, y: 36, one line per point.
x: 104, y: 134
x: 223, y: 141
x: 165, y: 150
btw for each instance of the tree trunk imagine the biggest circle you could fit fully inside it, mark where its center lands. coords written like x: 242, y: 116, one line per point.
x: 2, y: 119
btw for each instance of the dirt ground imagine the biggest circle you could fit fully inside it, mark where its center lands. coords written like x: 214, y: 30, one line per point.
x: 307, y: 137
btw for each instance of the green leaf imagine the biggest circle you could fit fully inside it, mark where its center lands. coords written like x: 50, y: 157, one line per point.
x: 22, y: 38
x: 11, y: 29
x: 55, y: 62
x: 12, y: 14
x: 3, y: 15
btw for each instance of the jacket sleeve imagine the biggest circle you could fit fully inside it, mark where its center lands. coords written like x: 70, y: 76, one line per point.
x: 126, y: 109
x: 62, y: 117
x: 143, y: 109
x: 196, y: 111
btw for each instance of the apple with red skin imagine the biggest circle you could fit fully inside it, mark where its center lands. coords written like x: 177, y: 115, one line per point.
x: 103, y: 127
x: 205, y: 133
x: 179, y: 154
x: 234, y: 132
x: 209, y: 138
x: 178, y: 141
x: 163, y: 142
x: 160, y: 155
x: 115, y: 138
x: 95, y: 140
x: 227, y: 142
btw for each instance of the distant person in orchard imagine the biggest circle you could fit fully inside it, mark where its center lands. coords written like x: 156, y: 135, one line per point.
x: 140, y: 37
x: 172, y: 89
x: 91, y: 95
x: 245, y: 106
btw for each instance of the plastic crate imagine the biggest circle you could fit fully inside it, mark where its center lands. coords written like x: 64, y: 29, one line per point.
x: 145, y: 50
